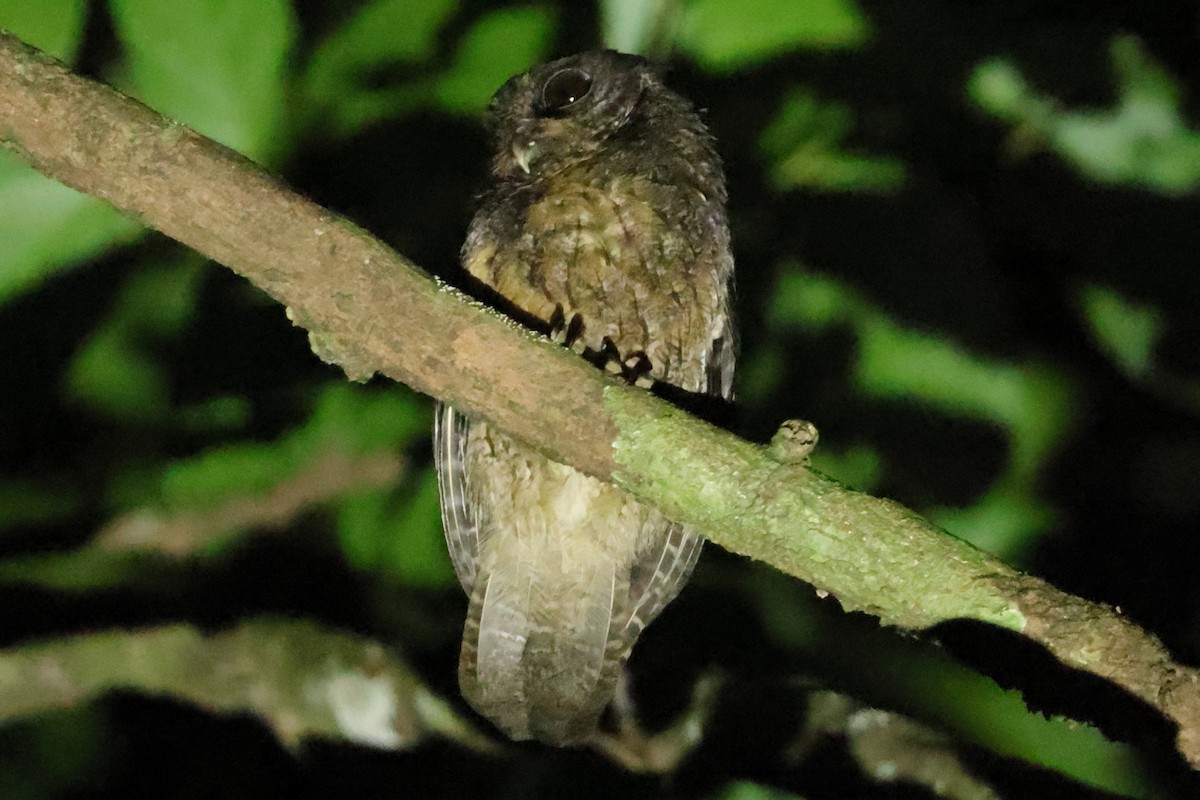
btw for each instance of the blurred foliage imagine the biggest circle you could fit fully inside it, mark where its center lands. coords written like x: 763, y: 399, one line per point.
x: 745, y: 790
x: 952, y: 697
x: 55, y: 26
x: 1130, y: 334
x: 216, y: 66
x: 804, y: 142
x: 339, y: 87
x: 55, y: 748
x: 352, y: 419
x: 46, y: 226
x: 116, y: 371
x: 1031, y: 402
x: 636, y: 26
x: 400, y: 536
x: 1143, y: 140
x: 498, y: 46
x: 337, y: 79
x: 1020, y: 368
x: 726, y: 35
x: 1126, y: 332
x: 24, y: 502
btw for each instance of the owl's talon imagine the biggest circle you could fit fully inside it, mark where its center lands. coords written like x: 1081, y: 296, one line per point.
x: 609, y: 357
x: 558, y: 325
x: 566, y: 332
x: 637, y: 371
x: 633, y: 369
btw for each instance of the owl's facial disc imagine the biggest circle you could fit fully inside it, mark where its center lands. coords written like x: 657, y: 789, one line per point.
x: 562, y: 94
x: 563, y: 113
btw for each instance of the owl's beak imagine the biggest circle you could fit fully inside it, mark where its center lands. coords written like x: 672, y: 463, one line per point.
x: 523, y: 153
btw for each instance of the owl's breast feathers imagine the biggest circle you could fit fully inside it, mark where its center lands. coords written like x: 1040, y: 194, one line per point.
x: 643, y: 264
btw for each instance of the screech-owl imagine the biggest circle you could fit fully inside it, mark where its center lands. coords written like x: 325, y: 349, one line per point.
x: 604, y: 219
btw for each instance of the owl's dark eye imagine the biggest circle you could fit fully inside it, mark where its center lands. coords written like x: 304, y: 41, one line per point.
x: 564, y: 89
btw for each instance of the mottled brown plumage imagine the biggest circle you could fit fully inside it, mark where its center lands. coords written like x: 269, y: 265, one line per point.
x: 605, y: 219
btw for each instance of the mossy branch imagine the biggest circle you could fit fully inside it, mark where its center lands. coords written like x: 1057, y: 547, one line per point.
x: 371, y: 310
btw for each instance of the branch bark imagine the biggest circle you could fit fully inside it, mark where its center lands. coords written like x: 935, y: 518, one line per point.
x: 369, y: 310
x: 300, y: 679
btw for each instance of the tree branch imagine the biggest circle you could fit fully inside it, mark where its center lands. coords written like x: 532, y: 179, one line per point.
x: 369, y: 309
x: 300, y: 679
x: 330, y: 473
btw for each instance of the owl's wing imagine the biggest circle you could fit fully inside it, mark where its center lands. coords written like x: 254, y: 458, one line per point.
x: 721, y: 356
x: 659, y: 576
x: 654, y: 582
x: 458, y: 518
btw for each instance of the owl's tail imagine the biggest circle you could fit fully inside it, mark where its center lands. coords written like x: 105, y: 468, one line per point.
x: 539, y: 658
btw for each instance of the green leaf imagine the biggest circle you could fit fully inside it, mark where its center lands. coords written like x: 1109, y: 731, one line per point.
x: 215, y: 65
x: 88, y: 569
x: 368, y: 420
x: 1033, y: 403
x: 246, y: 468
x: 111, y: 375
x: 401, y: 537
x: 726, y: 35
x: 1143, y: 141
x: 339, y: 92
x: 55, y: 754
x: 635, y: 26
x: 116, y: 371
x: 1126, y: 332
x: 1007, y: 519
x: 380, y: 33
x: 55, y: 26
x: 51, y: 25
x: 417, y: 550
x: 354, y: 419
x: 804, y: 145
x: 745, y: 790
x: 47, y: 227
x: 359, y: 528
x: 500, y: 45
x: 810, y: 301
x: 858, y: 466
x: 24, y: 502
x: 998, y: 87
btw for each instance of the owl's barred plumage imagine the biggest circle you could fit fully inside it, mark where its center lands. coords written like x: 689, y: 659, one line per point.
x: 605, y: 215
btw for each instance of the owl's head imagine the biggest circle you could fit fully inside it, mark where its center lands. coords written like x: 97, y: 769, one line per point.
x: 576, y: 109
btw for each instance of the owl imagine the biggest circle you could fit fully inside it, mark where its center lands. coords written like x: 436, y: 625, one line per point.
x: 604, y: 220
